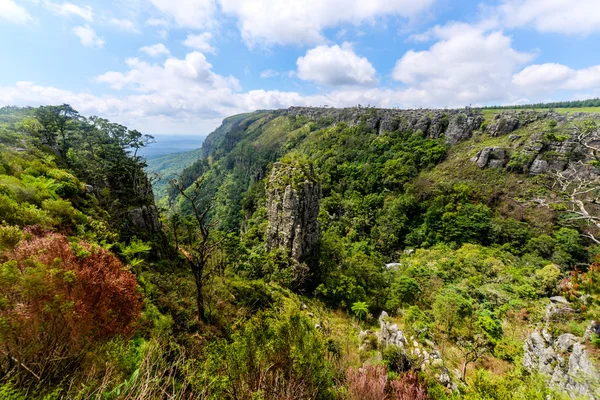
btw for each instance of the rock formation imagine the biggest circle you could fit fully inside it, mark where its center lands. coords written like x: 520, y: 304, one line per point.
x: 538, y: 153
x: 564, y: 359
x: 293, y: 196
x: 417, y: 356
x: 455, y: 125
x: 491, y: 157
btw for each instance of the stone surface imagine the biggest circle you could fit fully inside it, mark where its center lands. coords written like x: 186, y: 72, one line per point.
x: 293, y: 209
x: 491, y: 157
x: 564, y: 359
x: 455, y: 125
x: 418, y: 356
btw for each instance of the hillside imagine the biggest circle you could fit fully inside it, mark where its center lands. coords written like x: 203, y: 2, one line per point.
x: 491, y: 210
x: 162, y: 169
x: 308, y: 253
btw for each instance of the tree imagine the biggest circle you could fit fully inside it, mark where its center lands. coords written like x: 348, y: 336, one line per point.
x: 578, y: 185
x: 57, y: 122
x: 202, y: 247
x: 404, y: 291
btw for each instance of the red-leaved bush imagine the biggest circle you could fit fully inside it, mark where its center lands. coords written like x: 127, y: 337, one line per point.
x: 57, y: 299
x: 408, y: 386
x: 367, y: 383
x: 371, y: 383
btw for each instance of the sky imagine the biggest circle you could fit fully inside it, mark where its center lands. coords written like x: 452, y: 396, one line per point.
x: 181, y: 66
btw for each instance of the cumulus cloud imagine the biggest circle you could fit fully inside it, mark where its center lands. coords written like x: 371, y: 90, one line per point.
x: 336, y: 66
x: 580, y: 17
x: 200, y: 42
x: 550, y: 77
x: 88, y: 36
x: 197, y: 14
x: 303, y: 21
x: 155, y: 50
x: 466, y: 65
x: 175, y: 76
x: 11, y: 12
x: 70, y: 9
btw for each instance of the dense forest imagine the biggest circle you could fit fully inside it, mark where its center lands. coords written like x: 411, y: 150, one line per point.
x: 307, y: 253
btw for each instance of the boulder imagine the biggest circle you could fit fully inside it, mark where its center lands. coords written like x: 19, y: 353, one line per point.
x: 491, y: 157
x: 564, y: 360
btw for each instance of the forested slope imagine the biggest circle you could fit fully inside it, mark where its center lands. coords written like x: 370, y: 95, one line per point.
x: 309, y: 253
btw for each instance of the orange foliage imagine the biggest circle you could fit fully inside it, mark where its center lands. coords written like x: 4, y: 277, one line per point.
x: 371, y: 383
x: 56, y: 299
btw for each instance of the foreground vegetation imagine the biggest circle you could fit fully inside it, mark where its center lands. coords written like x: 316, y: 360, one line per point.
x: 94, y: 304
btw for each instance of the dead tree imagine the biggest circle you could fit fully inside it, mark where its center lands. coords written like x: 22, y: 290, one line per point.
x: 578, y: 186
x: 200, y: 251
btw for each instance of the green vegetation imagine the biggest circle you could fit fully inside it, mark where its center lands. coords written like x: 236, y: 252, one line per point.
x: 98, y: 300
x: 163, y: 169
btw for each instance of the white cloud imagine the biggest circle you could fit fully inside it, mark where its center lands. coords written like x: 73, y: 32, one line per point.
x: 125, y: 25
x: 157, y: 22
x: 200, y: 42
x: 269, y: 73
x: 155, y: 50
x: 550, y: 77
x: 303, y: 21
x: 466, y: 65
x: 196, y: 14
x: 336, y: 66
x: 70, y: 9
x: 574, y: 17
x: 88, y: 36
x: 11, y: 12
x: 542, y: 78
x: 191, y: 74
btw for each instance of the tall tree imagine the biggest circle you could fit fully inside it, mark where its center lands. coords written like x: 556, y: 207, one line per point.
x: 198, y: 252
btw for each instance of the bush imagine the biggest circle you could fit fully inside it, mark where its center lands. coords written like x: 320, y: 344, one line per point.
x: 57, y: 302
x: 270, y: 357
x: 367, y: 383
x: 408, y: 386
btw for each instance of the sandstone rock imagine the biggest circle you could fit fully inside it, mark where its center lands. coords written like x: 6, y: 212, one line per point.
x: 416, y: 356
x: 456, y: 125
x: 462, y: 126
x: 491, y: 157
x: 293, y: 198
x: 505, y: 124
x: 145, y: 219
x: 564, y: 359
x: 538, y: 167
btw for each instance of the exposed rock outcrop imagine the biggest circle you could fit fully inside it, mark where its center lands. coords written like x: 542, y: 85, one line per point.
x: 544, y: 149
x: 455, y: 125
x: 293, y: 207
x: 563, y: 359
x: 145, y: 218
x: 491, y: 157
x: 418, y: 356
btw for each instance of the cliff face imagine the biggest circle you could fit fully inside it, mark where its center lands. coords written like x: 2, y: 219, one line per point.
x: 455, y: 125
x: 293, y: 208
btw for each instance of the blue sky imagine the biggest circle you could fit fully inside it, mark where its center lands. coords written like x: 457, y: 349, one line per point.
x: 181, y: 66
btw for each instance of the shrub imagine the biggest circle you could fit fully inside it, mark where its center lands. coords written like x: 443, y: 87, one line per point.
x: 56, y: 303
x: 408, y: 386
x: 367, y: 383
